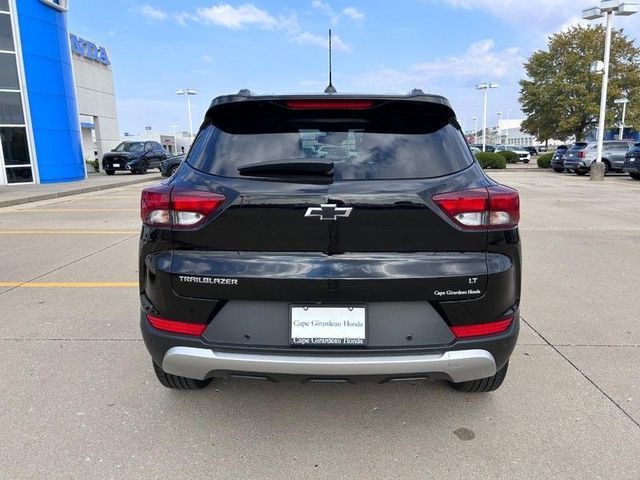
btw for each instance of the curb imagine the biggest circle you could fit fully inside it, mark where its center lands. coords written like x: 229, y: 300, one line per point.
x: 75, y: 191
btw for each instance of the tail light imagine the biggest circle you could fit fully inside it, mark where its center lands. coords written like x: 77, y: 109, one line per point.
x: 178, y: 208
x: 329, y: 104
x: 494, y: 208
x: 582, y: 154
x: 482, y: 329
x: 174, y: 326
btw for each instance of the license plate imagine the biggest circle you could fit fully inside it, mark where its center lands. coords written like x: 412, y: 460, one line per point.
x: 116, y: 165
x: 328, y: 325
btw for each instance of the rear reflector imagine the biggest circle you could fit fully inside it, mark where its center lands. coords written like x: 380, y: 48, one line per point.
x: 164, y: 206
x: 174, y: 326
x: 328, y: 104
x: 482, y: 329
x: 496, y: 207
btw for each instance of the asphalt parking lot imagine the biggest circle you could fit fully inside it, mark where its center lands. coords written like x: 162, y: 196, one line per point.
x: 79, y: 398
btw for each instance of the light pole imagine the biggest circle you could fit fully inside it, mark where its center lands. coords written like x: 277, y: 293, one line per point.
x: 187, y: 92
x: 485, y: 86
x: 175, y: 138
x: 607, y: 9
x: 499, y: 114
x: 475, y: 132
x: 508, y: 118
x: 624, y: 102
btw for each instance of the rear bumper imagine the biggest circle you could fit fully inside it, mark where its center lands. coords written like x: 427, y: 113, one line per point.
x: 457, y: 366
x: 459, y: 360
x: 627, y: 168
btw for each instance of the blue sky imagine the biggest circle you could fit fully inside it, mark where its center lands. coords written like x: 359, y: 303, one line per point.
x: 443, y: 46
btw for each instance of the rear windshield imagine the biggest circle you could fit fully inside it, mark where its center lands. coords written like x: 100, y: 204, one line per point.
x: 133, y: 147
x: 578, y: 146
x: 361, y: 145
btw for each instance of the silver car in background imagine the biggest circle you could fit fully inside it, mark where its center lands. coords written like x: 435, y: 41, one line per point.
x: 613, y: 153
x: 523, y: 155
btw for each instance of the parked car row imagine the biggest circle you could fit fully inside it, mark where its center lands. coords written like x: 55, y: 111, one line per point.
x: 617, y: 155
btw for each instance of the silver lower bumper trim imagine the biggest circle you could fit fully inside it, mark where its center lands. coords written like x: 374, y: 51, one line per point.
x: 459, y: 366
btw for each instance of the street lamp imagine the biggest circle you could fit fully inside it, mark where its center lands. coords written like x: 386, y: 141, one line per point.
x: 508, y: 118
x: 624, y: 102
x: 607, y: 9
x: 175, y: 138
x: 187, y: 92
x: 499, y: 114
x: 485, y: 86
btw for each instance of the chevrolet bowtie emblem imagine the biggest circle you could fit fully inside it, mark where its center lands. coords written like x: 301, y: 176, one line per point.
x: 328, y: 212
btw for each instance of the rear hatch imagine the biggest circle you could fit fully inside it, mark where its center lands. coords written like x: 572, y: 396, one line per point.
x: 576, y: 152
x: 330, y: 201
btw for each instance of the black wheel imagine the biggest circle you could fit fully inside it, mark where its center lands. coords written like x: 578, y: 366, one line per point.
x: 482, y: 385
x: 142, y: 169
x: 110, y: 172
x: 173, y: 170
x: 558, y: 169
x: 635, y: 176
x: 525, y: 161
x: 581, y: 172
x: 177, y: 382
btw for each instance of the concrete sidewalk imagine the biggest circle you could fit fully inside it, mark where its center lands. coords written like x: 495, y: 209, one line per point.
x: 17, y: 194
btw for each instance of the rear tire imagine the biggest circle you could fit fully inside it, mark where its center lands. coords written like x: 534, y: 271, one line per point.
x: 110, y: 172
x: 173, y: 170
x: 483, y: 385
x: 558, y: 169
x: 581, y: 172
x: 142, y: 169
x: 177, y: 382
x: 635, y: 176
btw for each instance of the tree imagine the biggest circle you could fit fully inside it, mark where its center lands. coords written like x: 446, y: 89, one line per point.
x: 561, y: 97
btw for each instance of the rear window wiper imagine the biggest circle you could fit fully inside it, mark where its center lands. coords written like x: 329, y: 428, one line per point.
x: 279, y: 167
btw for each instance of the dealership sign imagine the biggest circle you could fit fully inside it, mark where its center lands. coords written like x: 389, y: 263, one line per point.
x: 60, y: 5
x: 89, y: 50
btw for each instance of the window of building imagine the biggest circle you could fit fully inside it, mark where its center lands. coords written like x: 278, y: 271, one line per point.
x: 15, y: 158
x: 6, y: 33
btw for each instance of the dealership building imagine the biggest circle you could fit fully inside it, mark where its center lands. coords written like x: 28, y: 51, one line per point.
x: 57, y: 102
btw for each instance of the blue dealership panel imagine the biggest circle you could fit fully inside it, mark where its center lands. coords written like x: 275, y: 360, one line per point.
x: 52, y: 97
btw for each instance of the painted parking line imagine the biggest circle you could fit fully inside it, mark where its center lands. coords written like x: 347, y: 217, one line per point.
x: 119, y: 197
x: 69, y: 232
x: 36, y: 210
x: 69, y: 284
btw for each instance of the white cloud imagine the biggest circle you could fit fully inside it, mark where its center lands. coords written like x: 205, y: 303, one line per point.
x: 480, y: 61
x: 546, y: 16
x: 322, y: 6
x: 207, y: 58
x: 153, y: 13
x: 353, y: 13
x: 250, y: 16
x: 306, y: 38
x: 183, y: 17
x: 237, y: 18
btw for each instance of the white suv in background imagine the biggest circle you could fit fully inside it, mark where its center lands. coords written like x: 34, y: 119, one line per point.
x: 525, y: 156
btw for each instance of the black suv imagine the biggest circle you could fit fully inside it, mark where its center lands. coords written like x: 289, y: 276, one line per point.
x: 632, y: 162
x: 330, y: 238
x: 135, y: 157
x: 557, y: 161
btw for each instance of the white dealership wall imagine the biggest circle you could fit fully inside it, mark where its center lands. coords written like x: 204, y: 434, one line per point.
x: 96, y: 104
